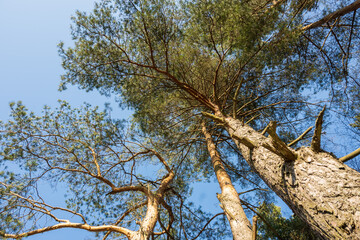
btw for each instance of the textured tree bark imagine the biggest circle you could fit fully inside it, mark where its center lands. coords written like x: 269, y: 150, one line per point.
x: 149, y: 221
x: 229, y: 198
x: 320, y: 189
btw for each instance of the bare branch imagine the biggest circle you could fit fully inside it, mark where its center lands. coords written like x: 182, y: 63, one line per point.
x: 254, y: 189
x: 315, y: 142
x: 216, y: 215
x: 265, y: 130
x: 128, y: 188
x: 280, y: 147
x: 255, y: 218
x: 68, y: 224
x: 244, y: 140
x: 300, y: 137
x: 352, y: 7
x: 350, y: 156
x: 213, y: 117
x: 251, y: 119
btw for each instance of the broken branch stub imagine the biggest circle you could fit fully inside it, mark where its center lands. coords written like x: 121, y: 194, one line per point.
x: 279, y: 146
x: 316, y: 140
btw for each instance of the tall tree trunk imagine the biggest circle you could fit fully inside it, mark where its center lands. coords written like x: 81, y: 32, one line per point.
x: 229, y: 197
x: 320, y: 189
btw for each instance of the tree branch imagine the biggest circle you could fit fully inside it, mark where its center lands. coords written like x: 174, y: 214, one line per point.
x: 207, y: 224
x: 280, y: 147
x: 350, y: 156
x: 300, y: 137
x: 244, y: 140
x: 352, y: 7
x: 213, y: 117
x: 68, y: 224
x: 128, y: 188
x: 123, y: 216
x: 315, y: 142
x: 262, y: 218
x: 255, y: 218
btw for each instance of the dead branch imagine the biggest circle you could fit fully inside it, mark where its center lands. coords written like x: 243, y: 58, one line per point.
x: 315, y: 142
x: 350, y: 156
x: 244, y: 140
x: 254, y: 189
x: 254, y: 230
x: 279, y: 146
x: 265, y: 130
x: 251, y: 119
x: 300, y: 137
x: 213, y: 117
x: 207, y: 224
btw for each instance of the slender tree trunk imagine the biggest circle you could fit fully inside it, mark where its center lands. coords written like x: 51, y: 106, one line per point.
x: 321, y: 190
x: 229, y: 197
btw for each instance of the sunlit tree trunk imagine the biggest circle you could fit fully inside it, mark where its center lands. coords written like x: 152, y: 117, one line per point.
x: 319, y: 188
x: 229, y: 198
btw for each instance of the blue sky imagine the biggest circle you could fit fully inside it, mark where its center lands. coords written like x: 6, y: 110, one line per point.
x: 30, y: 67
x: 30, y: 70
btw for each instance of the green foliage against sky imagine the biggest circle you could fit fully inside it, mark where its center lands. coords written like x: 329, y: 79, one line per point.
x: 169, y: 61
x: 166, y: 60
x: 87, y: 152
x: 148, y: 51
x: 279, y: 227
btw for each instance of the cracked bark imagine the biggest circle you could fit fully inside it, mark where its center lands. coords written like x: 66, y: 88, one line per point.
x: 320, y: 189
x: 229, y: 198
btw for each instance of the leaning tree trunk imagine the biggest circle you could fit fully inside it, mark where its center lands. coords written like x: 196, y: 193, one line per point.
x: 320, y: 189
x: 229, y: 198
